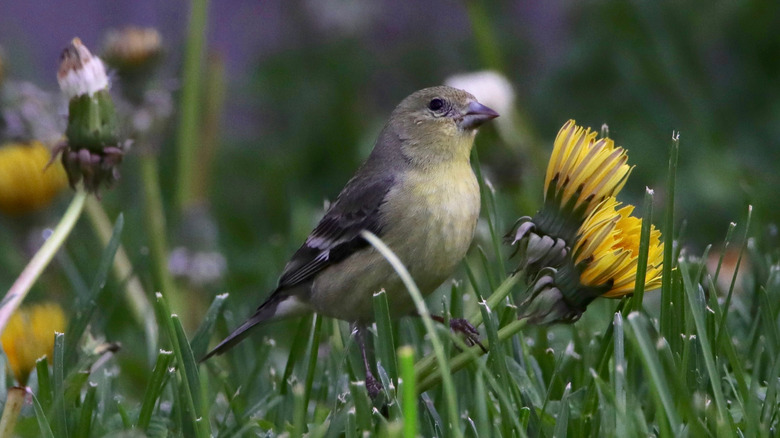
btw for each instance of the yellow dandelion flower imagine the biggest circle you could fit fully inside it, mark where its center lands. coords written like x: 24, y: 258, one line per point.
x: 29, y: 336
x: 26, y: 184
x: 584, y: 171
x: 608, y: 246
x: 579, y: 246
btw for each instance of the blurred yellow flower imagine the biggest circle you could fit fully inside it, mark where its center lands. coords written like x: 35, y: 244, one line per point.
x: 583, y: 171
x: 29, y: 336
x: 26, y: 184
x: 608, y: 246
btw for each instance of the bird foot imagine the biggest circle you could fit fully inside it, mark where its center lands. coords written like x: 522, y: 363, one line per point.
x: 373, y: 386
x: 470, y: 333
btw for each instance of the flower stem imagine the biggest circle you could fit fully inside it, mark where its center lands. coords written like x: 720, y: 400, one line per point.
x: 187, y: 141
x: 156, y: 229
x: 41, y: 259
x: 13, y: 406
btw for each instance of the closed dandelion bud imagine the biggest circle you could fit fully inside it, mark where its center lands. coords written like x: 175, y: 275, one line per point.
x: 92, y: 151
x: 132, y: 48
x: 92, y: 121
x: 134, y: 52
x: 26, y: 183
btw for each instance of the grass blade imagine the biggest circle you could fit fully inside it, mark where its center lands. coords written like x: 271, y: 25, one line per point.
x: 86, y: 309
x: 87, y: 411
x: 314, y: 347
x: 408, y: 391
x: 44, y: 382
x: 697, y: 306
x: 40, y: 415
x: 384, y: 342
x: 200, y: 340
x: 188, y: 371
x: 668, y: 235
x: 58, y: 366
x: 644, y: 247
x: 647, y: 352
x: 620, y: 376
x: 154, y: 388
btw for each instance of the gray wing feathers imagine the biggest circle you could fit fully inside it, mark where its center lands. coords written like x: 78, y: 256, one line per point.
x: 337, y: 235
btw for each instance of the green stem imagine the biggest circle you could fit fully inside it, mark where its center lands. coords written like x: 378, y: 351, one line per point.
x: 41, y: 259
x: 123, y: 272
x: 214, y: 99
x: 187, y: 143
x: 487, y: 44
x: 469, y: 355
x: 155, y: 227
x: 13, y: 406
x: 499, y: 295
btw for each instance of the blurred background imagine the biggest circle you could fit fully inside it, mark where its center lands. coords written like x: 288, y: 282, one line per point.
x: 308, y: 85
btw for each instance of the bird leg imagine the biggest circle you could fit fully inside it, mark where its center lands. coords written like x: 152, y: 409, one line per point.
x: 372, y: 384
x: 463, y: 326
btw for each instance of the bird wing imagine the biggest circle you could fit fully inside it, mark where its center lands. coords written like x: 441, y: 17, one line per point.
x: 335, y: 238
x: 337, y: 235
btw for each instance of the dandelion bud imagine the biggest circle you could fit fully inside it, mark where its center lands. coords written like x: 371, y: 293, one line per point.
x: 132, y: 48
x: 92, y: 151
x: 80, y: 72
x: 134, y: 52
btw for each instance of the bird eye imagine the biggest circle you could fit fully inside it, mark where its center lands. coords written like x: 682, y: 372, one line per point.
x: 435, y: 104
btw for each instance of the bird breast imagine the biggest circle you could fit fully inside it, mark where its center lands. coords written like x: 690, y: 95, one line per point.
x: 433, y: 231
x: 429, y: 220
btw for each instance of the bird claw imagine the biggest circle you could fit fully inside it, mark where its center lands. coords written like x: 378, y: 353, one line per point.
x: 373, y: 386
x: 470, y: 333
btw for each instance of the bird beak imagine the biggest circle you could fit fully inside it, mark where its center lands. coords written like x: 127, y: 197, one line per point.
x: 476, y: 114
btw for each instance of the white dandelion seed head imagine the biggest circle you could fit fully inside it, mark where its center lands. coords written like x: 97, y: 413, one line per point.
x: 489, y: 87
x: 80, y: 71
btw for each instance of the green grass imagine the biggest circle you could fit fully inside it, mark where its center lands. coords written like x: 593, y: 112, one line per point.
x: 695, y: 358
x: 684, y: 365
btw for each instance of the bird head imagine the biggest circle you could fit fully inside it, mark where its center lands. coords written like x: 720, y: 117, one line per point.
x: 438, y: 123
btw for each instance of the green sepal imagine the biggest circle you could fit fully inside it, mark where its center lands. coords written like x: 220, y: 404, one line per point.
x: 92, y: 122
x: 560, y: 221
x: 576, y: 294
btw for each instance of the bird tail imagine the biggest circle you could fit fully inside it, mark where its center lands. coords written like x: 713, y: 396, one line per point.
x: 278, y: 306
